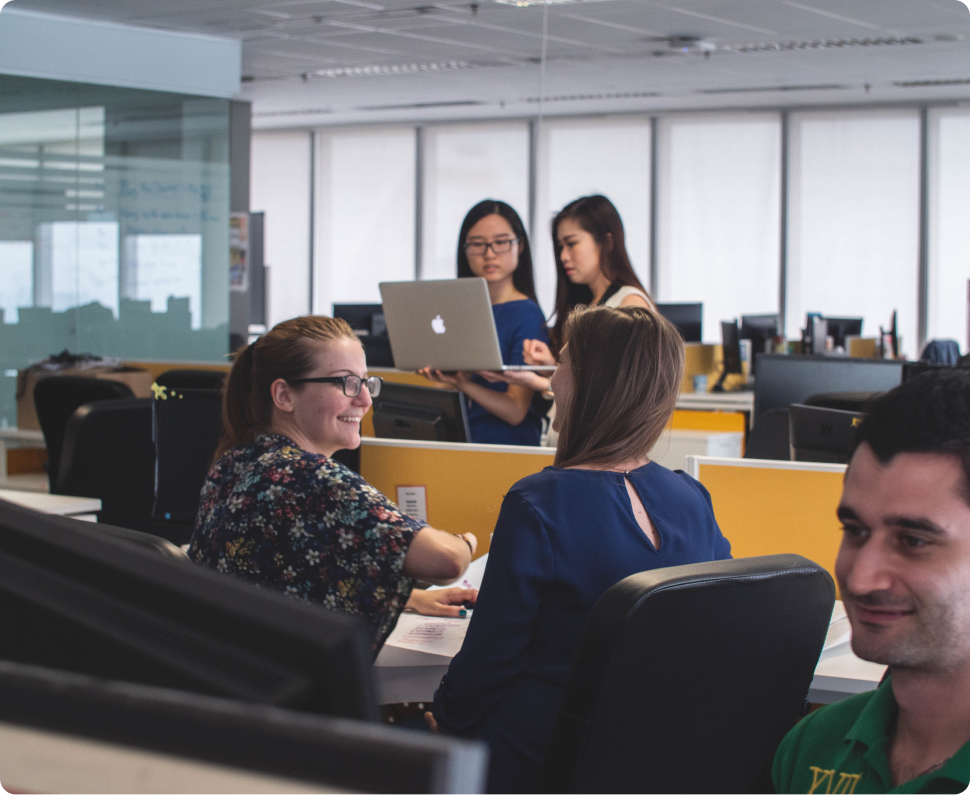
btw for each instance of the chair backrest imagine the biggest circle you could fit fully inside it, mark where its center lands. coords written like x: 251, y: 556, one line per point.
x: 186, y: 426
x: 769, y: 437
x: 57, y: 397
x: 192, y: 379
x: 144, y: 541
x: 108, y: 454
x: 841, y: 401
x: 688, y: 677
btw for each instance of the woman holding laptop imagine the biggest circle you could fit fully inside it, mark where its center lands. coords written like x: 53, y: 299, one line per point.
x: 493, y: 245
x: 276, y: 508
x: 565, y: 535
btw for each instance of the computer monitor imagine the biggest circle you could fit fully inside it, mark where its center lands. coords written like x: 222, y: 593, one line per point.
x: 75, y: 600
x: 783, y: 379
x: 839, y: 328
x: 731, y: 352
x: 688, y: 318
x: 367, y: 321
x: 186, y: 426
x: 825, y: 436
x: 420, y: 413
x: 761, y: 330
x: 52, y: 719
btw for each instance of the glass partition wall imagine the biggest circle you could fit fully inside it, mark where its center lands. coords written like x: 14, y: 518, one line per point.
x: 114, y: 225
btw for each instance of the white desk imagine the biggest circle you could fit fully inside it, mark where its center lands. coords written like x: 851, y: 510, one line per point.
x: 402, y: 675
x: 675, y: 444
x: 716, y: 401
x: 84, y: 508
x: 17, y: 437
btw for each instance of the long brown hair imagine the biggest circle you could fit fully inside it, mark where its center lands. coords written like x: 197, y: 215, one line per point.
x: 286, y: 352
x: 627, y: 366
x: 598, y: 216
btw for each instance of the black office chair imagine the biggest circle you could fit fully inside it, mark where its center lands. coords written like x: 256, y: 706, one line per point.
x: 843, y: 401
x: 144, y: 541
x: 768, y: 437
x: 192, y: 379
x: 56, y: 398
x: 186, y: 429
x: 108, y: 454
x: 689, y: 677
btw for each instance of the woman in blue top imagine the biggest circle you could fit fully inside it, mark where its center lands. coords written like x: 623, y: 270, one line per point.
x: 493, y: 245
x: 568, y: 533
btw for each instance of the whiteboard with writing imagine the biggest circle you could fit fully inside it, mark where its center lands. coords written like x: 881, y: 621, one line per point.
x: 159, y: 267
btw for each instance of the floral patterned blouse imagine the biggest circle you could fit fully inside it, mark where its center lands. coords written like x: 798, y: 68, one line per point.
x: 300, y: 522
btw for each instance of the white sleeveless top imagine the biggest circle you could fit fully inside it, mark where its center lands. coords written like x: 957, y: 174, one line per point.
x: 617, y: 298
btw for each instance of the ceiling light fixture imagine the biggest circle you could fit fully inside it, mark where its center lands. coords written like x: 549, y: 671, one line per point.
x: 821, y: 45
x: 382, y: 70
x: 956, y: 81
x: 529, y: 3
x: 585, y: 97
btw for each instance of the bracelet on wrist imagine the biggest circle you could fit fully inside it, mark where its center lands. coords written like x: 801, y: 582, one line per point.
x: 471, y: 549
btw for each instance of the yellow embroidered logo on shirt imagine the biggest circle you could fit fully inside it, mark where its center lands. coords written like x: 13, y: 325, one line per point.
x: 844, y: 786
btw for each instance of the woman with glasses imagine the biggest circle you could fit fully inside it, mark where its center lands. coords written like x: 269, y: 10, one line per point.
x: 278, y: 510
x: 493, y: 245
x: 565, y: 535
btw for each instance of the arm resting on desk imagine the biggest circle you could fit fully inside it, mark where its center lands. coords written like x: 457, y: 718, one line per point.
x: 438, y: 557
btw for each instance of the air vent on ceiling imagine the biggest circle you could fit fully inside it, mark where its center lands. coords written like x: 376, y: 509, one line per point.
x: 584, y: 97
x: 827, y: 44
x: 758, y: 89
x: 957, y: 81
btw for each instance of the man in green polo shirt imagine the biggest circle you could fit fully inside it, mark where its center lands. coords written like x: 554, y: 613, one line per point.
x: 904, y: 575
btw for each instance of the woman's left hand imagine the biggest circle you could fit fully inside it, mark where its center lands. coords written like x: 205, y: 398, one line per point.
x: 455, y: 379
x: 448, y: 603
x: 524, y: 378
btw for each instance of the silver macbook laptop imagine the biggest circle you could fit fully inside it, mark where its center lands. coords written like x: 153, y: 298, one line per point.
x: 446, y: 325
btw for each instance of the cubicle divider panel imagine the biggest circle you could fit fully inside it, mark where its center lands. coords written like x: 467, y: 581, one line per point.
x: 774, y: 507
x: 157, y: 368
x: 700, y: 359
x: 464, y: 484
x: 697, y: 420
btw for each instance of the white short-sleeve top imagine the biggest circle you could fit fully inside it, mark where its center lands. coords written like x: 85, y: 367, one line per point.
x: 617, y: 298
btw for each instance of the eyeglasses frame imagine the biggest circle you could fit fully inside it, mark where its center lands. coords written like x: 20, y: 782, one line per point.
x: 342, y: 380
x: 491, y: 245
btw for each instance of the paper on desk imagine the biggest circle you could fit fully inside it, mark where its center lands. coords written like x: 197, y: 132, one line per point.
x: 429, y: 634
x: 472, y: 577
x: 840, y: 630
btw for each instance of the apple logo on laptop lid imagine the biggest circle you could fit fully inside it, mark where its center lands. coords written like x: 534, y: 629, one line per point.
x: 438, y: 325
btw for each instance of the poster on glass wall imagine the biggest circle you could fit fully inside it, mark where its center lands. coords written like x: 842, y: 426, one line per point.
x: 239, y: 252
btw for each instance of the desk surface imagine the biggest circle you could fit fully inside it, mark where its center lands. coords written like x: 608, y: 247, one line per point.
x: 716, y: 401
x: 403, y: 675
x: 57, y: 504
x: 25, y: 436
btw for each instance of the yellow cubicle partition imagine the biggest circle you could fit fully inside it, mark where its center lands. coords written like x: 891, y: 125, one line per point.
x: 464, y: 484
x: 774, y: 507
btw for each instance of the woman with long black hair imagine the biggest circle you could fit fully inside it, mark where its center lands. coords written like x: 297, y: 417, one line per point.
x: 493, y: 245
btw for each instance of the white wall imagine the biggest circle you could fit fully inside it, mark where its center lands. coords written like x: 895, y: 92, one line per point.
x: 280, y: 187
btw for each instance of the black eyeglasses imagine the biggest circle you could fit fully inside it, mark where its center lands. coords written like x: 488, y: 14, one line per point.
x: 352, y: 384
x: 478, y: 249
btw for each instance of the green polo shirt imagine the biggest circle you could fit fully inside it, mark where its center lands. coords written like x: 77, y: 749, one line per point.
x: 843, y: 748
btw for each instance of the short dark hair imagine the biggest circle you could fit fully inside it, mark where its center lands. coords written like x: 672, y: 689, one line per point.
x: 927, y: 414
x: 522, y: 278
